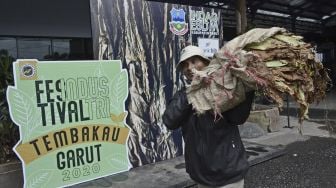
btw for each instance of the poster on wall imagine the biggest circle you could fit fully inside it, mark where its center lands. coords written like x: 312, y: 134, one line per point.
x: 204, y: 21
x: 200, y: 21
x: 209, y: 46
x: 71, y: 116
x: 148, y: 36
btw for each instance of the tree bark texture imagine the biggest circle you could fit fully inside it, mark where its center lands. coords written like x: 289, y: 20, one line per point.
x: 137, y: 32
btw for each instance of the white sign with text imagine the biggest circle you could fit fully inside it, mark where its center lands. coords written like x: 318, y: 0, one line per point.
x: 204, y: 22
x: 209, y: 46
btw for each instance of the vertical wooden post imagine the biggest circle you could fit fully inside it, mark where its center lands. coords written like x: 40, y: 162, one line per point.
x: 293, y: 17
x: 241, y: 16
x: 293, y: 25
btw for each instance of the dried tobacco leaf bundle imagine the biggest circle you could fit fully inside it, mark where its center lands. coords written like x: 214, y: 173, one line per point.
x: 273, y: 60
x: 292, y: 69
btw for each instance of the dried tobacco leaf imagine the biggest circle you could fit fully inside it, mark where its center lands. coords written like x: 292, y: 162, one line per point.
x: 273, y: 60
x: 276, y: 63
x: 269, y: 43
x: 289, y: 39
x: 294, y: 71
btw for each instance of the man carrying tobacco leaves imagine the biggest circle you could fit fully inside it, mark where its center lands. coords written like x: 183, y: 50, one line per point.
x: 220, y: 93
x: 214, y: 153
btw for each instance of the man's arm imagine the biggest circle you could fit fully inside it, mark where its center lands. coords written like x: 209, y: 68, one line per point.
x: 176, y: 110
x: 239, y: 114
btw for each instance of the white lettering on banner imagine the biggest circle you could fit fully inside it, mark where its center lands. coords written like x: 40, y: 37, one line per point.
x: 204, y: 23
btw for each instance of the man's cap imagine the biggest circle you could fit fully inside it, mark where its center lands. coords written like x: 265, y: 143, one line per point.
x: 188, y: 52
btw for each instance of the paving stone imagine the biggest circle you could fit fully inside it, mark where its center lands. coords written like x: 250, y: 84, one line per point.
x: 251, y: 130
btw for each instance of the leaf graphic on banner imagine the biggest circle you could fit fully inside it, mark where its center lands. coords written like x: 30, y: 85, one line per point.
x: 32, y: 129
x: 20, y: 106
x: 21, y: 109
x: 119, y: 90
x: 118, y: 161
x: 39, y: 179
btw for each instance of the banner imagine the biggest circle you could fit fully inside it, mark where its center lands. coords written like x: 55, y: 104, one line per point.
x: 71, y: 117
x: 148, y: 37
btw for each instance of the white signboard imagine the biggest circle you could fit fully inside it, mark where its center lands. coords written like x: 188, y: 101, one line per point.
x: 209, y: 46
x: 204, y: 22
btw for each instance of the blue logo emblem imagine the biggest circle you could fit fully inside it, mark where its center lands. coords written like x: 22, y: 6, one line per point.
x: 177, y: 25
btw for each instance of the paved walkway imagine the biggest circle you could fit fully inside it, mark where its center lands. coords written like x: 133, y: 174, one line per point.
x: 307, y: 164
x: 171, y: 173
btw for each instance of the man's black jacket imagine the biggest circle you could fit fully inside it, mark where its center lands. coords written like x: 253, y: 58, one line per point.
x: 214, y: 153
